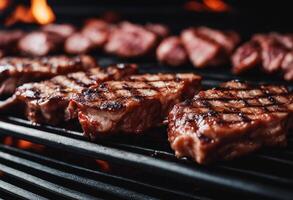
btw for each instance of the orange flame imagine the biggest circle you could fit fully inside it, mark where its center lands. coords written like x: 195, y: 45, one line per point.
x: 39, y: 12
x: 4, y: 4
x: 207, y: 5
x: 23, y: 144
x: 42, y: 12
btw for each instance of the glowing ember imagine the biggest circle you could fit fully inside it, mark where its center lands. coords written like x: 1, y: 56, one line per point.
x: 23, y: 144
x: 42, y: 12
x: 39, y: 12
x: 4, y: 4
x: 103, y: 165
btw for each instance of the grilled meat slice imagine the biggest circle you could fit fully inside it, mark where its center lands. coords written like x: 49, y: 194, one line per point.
x: 227, y: 39
x: 45, y: 102
x: 15, y: 71
x: 77, y: 44
x: 130, y: 40
x: 64, y: 30
x: 171, y: 52
x: 131, y: 106
x: 201, y: 50
x: 287, y: 66
x: 230, y: 121
x: 246, y: 57
x: 273, y: 52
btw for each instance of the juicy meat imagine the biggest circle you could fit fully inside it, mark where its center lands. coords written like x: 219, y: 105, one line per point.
x: 273, y: 52
x: 230, y: 121
x: 77, y: 44
x: 131, y: 106
x: 246, y: 57
x: 97, y: 31
x: 64, y: 30
x: 201, y: 50
x: 9, y: 40
x: 40, y: 43
x: 227, y: 39
x: 159, y: 29
x: 130, y: 40
x: 45, y: 102
x: 15, y: 71
x: 171, y: 52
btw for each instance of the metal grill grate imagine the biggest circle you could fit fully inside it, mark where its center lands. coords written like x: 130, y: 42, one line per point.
x: 264, y: 174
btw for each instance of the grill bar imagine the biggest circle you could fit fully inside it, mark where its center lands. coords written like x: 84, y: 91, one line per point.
x: 19, y: 192
x: 201, y: 175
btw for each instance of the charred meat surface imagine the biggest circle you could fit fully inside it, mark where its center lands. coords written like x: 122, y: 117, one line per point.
x: 130, y: 40
x: 232, y: 120
x: 172, y: 52
x: 40, y: 43
x: 9, y: 40
x: 132, y: 106
x: 15, y: 71
x: 46, y: 102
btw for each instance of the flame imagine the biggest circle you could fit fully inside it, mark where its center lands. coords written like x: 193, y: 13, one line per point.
x: 23, y: 144
x: 207, y: 5
x: 42, y: 12
x: 4, y: 4
x: 217, y: 5
x: 39, y: 12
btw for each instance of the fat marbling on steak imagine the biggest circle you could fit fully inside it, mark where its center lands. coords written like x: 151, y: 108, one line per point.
x: 230, y: 121
x: 132, y: 106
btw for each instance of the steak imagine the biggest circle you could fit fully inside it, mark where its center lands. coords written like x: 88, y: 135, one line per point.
x: 201, y: 50
x: 9, y: 40
x: 45, y: 102
x: 130, y: 40
x: 40, y: 43
x: 132, y: 106
x: 159, y: 29
x: 246, y: 57
x: 171, y: 52
x: 232, y: 120
x: 64, y: 30
x: 77, y: 43
x: 15, y: 71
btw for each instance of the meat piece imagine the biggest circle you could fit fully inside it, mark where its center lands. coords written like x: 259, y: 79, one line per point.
x: 97, y: 31
x: 287, y: 66
x: 172, y: 52
x: 15, y: 71
x: 201, y: 50
x: 160, y: 30
x: 230, y: 121
x: 77, y: 44
x: 285, y: 39
x: 272, y: 52
x: 39, y: 43
x: 246, y: 57
x: 227, y: 39
x: 130, y: 106
x: 8, y: 41
x: 46, y: 102
x: 130, y: 40
x: 64, y: 30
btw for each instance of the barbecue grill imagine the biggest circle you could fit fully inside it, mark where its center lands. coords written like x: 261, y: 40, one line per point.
x: 142, y: 167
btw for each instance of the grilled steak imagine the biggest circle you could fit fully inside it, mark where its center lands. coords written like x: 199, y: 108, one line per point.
x: 40, y: 43
x: 287, y: 66
x: 131, y: 106
x: 159, y: 29
x: 201, y: 50
x: 45, y: 102
x: 77, y: 44
x: 171, y: 52
x: 230, y: 121
x: 246, y: 57
x: 64, y: 30
x: 15, y: 71
x: 130, y: 40
x: 208, y: 47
